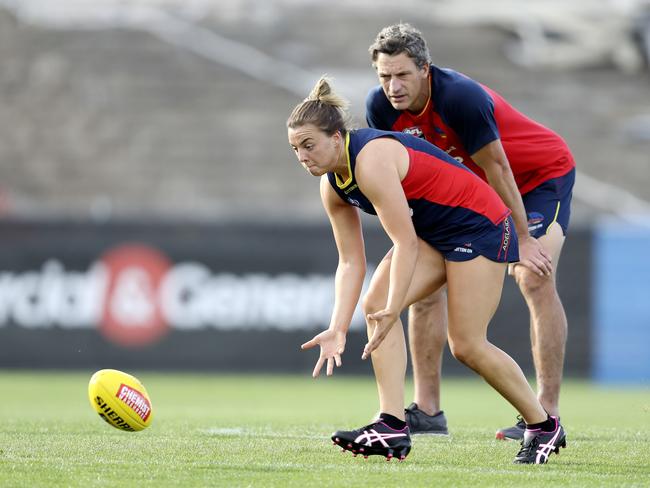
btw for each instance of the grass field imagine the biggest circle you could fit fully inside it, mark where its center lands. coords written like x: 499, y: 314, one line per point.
x: 238, y: 430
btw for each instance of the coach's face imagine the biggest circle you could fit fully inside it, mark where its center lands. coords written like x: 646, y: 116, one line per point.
x: 406, y: 86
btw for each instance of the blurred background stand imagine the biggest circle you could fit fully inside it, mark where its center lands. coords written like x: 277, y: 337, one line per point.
x: 145, y: 142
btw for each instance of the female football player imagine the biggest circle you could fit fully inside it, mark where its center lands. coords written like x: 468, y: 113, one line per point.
x: 446, y: 226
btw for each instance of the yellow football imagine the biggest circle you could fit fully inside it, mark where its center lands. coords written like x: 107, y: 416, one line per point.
x: 120, y: 399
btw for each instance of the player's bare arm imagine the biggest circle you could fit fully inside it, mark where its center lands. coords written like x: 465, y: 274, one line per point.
x: 493, y: 160
x: 381, y: 166
x: 350, y: 272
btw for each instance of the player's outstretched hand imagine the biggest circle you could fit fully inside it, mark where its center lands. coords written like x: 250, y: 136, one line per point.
x: 332, y: 345
x: 383, y: 321
x: 534, y: 257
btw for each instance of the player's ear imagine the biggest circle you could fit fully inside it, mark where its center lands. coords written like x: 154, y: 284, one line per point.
x: 337, y: 138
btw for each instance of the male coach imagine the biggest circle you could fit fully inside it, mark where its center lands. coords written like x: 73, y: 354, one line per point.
x: 529, y: 166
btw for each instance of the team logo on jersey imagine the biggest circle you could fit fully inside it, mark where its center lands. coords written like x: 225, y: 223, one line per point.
x: 439, y: 131
x: 414, y: 131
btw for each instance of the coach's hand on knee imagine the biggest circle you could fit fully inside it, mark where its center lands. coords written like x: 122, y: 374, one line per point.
x: 533, y: 256
x: 382, y: 321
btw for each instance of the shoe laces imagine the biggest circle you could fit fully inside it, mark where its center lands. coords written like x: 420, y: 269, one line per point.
x: 527, y: 449
x: 413, y: 407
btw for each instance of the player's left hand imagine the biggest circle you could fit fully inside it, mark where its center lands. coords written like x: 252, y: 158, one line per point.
x: 533, y: 256
x: 332, y: 345
x: 383, y: 321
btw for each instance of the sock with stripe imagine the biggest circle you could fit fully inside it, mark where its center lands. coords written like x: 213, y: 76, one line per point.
x: 547, y: 426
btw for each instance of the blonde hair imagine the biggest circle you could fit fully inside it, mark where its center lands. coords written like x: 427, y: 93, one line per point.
x: 323, y: 108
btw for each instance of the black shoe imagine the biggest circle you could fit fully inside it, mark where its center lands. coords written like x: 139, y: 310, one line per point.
x: 515, y: 433
x: 375, y: 439
x: 537, y: 445
x: 422, y: 423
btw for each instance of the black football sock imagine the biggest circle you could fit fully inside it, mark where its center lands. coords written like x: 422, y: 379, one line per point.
x: 392, y: 421
x: 547, y: 426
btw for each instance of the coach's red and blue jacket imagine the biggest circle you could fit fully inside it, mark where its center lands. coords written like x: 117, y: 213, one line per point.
x: 462, y: 116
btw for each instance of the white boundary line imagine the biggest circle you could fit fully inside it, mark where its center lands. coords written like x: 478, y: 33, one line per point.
x: 248, y: 432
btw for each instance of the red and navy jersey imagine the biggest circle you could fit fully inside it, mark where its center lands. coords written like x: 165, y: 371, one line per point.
x: 462, y: 116
x: 448, y: 202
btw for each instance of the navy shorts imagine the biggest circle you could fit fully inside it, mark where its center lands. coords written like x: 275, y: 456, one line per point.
x: 499, y: 243
x: 549, y: 202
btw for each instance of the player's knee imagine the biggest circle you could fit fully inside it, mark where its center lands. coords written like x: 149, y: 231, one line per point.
x: 418, y: 312
x: 427, y: 304
x: 371, y: 303
x: 464, y: 350
x: 532, y: 284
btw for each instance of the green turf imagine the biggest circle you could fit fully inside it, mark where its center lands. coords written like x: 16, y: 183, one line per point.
x: 216, y: 430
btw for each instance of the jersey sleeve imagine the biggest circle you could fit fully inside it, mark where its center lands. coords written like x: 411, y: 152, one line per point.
x: 469, y: 111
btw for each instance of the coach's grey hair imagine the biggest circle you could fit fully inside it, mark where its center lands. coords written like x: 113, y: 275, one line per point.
x: 323, y: 108
x: 401, y: 38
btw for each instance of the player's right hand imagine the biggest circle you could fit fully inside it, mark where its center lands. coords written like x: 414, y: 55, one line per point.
x: 332, y: 345
x: 533, y: 256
